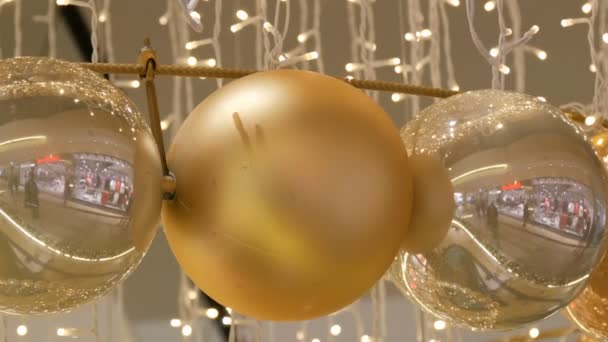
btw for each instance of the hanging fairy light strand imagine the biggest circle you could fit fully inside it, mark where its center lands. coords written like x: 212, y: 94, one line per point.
x: 244, y: 21
x: 599, y: 64
x: 364, y: 62
x: 106, y: 20
x: 212, y: 42
x: 176, y: 111
x: 49, y: 19
x: 298, y: 55
x: 185, y: 56
x: 417, y: 58
x: 273, y: 56
x: 181, y: 50
x: 435, y: 44
x: 2, y: 4
x: 499, y: 68
x: 303, y: 36
x: 16, y: 24
x: 117, y: 303
x: 425, y: 45
x: 600, y: 97
x: 93, y: 331
x: 269, y: 55
x: 518, y: 44
x: 401, y: 69
x: 18, y: 30
x: 363, y: 47
x: 447, y: 48
x: 190, y: 305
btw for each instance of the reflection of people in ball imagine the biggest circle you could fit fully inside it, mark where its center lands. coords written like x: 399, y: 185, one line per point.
x: 526, y: 213
x: 492, y: 220
x: 68, y: 184
x: 31, y: 194
x: 13, y: 179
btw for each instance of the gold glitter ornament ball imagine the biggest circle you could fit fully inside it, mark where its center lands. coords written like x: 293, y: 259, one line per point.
x: 293, y: 195
x: 529, y: 222
x: 79, y: 186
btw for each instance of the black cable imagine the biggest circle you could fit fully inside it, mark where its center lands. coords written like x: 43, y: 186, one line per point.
x: 225, y: 329
x: 79, y: 30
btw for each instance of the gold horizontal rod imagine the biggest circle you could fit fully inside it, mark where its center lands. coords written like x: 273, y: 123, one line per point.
x: 214, y: 72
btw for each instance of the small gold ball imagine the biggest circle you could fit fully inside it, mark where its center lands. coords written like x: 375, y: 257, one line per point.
x: 433, y: 205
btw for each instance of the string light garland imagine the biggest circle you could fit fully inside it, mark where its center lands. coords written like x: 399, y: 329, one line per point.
x: 496, y: 59
x: 363, y: 48
x: 182, y: 48
x: 536, y: 335
x: 212, y: 42
x: 599, y: 62
x: 216, y: 72
x: 306, y: 36
x: 417, y: 35
x: 18, y: 30
x: 106, y: 20
x: 50, y: 20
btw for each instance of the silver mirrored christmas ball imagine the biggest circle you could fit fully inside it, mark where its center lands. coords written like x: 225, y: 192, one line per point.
x: 529, y: 221
x: 79, y: 185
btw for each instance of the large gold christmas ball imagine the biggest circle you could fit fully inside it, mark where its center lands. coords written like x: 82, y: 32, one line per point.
x: 79, y: 186
x: 529, y: 222
x: 293, y: 195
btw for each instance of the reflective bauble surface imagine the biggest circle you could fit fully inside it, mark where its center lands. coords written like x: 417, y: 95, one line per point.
x: 293, y: 195
x: 79, y: 185
x: 530, y: 217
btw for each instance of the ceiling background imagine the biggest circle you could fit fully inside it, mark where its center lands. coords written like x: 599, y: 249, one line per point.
x: 151, y: 291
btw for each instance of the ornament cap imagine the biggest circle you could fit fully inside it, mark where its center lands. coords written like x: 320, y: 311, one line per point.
x: 146, y: 56
x: 168, y: 184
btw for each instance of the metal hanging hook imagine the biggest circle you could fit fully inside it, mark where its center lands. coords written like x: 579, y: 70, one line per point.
x: 147, y: 59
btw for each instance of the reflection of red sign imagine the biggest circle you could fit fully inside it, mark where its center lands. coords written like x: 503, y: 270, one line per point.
x: 51, y: 158
x: 512, y: 186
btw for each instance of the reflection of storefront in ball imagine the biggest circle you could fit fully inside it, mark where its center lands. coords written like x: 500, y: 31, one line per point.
x: 102, y: 180
x: 561, y: 204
